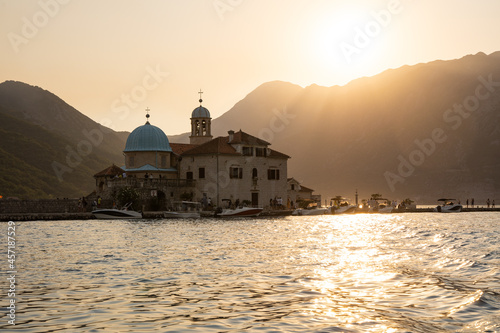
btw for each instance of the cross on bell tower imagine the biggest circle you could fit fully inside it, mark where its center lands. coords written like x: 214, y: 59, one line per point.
x: 200, y: 124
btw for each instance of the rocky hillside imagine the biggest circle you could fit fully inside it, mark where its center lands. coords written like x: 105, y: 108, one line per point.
x: 48, y: 148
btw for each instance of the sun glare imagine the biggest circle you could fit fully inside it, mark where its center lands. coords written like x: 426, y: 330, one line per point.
x: 340, y: 48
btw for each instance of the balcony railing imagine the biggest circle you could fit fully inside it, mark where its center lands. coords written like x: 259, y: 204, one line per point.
x: 150, y: 182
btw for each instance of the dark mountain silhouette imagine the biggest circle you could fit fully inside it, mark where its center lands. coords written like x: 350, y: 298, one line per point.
x: 48, y: 148
x: 423, y: 131
x: 373, y: 133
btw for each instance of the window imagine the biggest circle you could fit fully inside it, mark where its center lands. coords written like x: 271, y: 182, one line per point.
x: 254, y: 173
x: 131, y: 161
x: 235, y: 173
x: 189, y: 175
x: 196, y: 127
x: 248, y: 151
x: 293, y: 187
x: 273, y: 174
x: 261, y: 152
x: 201, y: 173
x: 203, y: 127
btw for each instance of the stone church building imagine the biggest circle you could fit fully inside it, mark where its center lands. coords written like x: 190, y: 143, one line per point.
x: 237, y: 167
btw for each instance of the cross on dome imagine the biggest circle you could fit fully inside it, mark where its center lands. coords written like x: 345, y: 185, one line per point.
x: 200, y: 100
x: 147, y: 115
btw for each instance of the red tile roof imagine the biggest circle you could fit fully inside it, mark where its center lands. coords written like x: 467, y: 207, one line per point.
x: 245, y: 138
x: 277, y: 154
x: 180, y: 148
x: 221, y: 145
x: 305, y: 189
x: 218, y: 145
x: 110, y: 171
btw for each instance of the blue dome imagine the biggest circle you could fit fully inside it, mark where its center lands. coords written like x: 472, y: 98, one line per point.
x: 200, y: 112
x: 147, y: 138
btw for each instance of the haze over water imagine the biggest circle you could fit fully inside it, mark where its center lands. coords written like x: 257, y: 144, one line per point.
x: 423, y: 272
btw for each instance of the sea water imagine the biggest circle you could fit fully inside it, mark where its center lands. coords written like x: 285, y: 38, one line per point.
x: 421, y: 272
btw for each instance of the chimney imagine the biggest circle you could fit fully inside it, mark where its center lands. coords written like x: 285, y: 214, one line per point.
x: 231, y: 135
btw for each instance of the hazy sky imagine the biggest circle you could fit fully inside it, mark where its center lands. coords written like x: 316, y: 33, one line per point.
x: 111, y: 59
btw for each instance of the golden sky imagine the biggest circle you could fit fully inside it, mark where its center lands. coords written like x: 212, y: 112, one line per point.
x: 111, y: 59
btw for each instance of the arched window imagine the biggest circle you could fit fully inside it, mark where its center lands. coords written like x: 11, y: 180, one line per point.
x: 203, y: 127
x: 197, y: 127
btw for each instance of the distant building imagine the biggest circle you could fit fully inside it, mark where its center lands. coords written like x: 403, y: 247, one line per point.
x: 297, y: 192
x: 238, y: 167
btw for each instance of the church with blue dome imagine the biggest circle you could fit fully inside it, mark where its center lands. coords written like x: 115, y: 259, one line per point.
x: 148, y: 151
x: 238, y: 167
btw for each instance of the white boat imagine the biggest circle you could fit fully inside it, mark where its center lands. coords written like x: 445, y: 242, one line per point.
x: 311, y: 209
x: 343, y: 207
x: 376, y: 207
x: 240, y: 212
x: 112, y: 213
x: 184, y: 210
x: 346, y: 209
x: 448, y: 206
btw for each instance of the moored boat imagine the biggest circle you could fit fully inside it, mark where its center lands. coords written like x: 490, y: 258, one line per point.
x: 342, y: 206
x: 448, y: 206
x: 311, y: 209
x: 113, y: 213
x: 349, y: 209
x: 240, y: 212
x: 184, y: 209
x: 376, y: 207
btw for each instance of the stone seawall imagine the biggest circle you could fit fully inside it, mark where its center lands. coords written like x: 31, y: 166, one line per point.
x: 40, y: 206
x: 45, y: 206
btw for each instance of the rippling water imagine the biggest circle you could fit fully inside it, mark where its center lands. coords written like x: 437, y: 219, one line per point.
x: 423, y: 272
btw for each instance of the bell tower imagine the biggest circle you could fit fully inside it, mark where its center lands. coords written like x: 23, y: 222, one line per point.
x: 201, y: 124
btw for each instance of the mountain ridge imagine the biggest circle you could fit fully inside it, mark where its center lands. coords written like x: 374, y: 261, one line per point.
x: 60, y: 145
x: 355, y: 136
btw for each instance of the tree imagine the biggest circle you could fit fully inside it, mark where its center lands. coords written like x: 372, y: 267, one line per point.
x: 408, y: 201
x: 128, y: 195
x: 187, y: 196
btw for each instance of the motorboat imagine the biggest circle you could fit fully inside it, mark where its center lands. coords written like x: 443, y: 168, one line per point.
x: 113, y: 213
x: 448, y: 206
x: 348, y: 209
x: 376, y: 207
x: 240, y: 212
x: 343, y: 206
x: 311, y: 209
x: 184, y: 210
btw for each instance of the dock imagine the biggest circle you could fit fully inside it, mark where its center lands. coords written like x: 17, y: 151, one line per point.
x: 205, y: 214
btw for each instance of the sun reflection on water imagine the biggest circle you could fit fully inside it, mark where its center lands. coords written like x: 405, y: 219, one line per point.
x: 353, y: 278
x: 352, y: 273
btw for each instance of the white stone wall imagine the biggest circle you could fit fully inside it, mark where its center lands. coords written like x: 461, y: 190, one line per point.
x: 235, y: 188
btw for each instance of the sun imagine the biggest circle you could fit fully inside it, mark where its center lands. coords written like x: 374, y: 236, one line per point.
x: 336, y: 48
